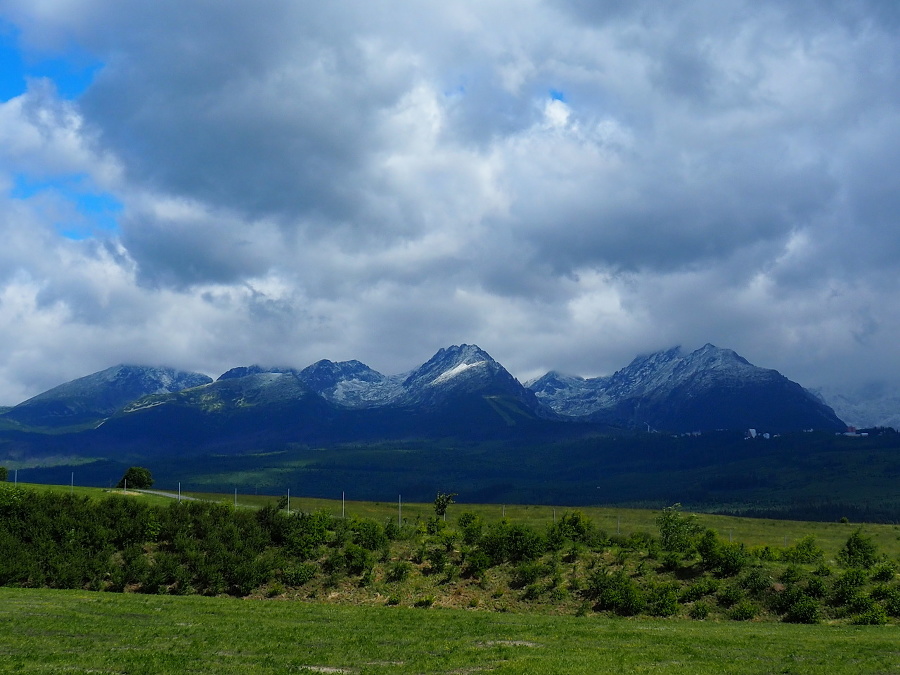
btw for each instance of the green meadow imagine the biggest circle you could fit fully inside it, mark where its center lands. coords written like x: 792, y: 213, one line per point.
x: 233, y: 583
x: 47, y: 631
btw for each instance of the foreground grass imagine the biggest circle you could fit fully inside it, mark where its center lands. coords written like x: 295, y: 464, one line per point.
x: 43, y: 631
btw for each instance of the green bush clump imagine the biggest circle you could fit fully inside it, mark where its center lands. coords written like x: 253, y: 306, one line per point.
x: 756, y: 581
x: 892, y: 602
x: 859, y: 551
x: 512, y: 542
x: 872, y: 616
x: 724, y: 559
x: 572, y: 527
x: 677, y: 531
x: 616, y: 592
x: 476, y: 563
x: 369, y: 534
x: 702, y: 587
x: 845, y: 586
x: 424, y: 602
x: 816, y: 588
x: 730, y: 595
x: 805, y: 551
x: 699, y: 610
x: 742, y: 611
x: 662, y: 600
x: 791, y: 574
x: 300, y: 574
x: 884, y: 571
x: 803, y: 610
x: 526, y: 573
x: 399, y: 571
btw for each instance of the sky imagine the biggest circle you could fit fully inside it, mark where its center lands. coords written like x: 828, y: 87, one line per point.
x: 566, y: 183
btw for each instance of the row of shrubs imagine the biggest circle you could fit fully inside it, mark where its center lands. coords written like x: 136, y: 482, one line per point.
x: 117, y: 543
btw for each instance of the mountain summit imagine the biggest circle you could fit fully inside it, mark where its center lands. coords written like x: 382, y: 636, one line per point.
x: 94, y: 397
x: 710, y: 388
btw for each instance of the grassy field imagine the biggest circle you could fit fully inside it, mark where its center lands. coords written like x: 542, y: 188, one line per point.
x: 44, y: 631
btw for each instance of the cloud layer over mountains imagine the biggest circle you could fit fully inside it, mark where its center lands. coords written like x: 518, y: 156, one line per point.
x: 564, y: 182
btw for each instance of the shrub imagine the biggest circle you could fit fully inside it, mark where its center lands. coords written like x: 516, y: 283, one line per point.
x: 756, y: 581
x: 532, y: 592
x: 476, y: 562
x: 662, y: 600
x: 369, y: 534
x: 304, y: 533
x: 357, y: 560
x: 297, y: 575
x: 505, y: 542
x: 723, y: 559
x: 804, y: 551
x: 399, y: 571
x: 526, y: 573
x: 873, y: 616
x: 845, y: 586
x: 885, y: 571
x: 616, y: 592
x: 892, y: 602
x: 803, y: 610
x: 790, y: 574
x: 702, y: 587
x: 677, y: 531
x: 730, y: 595
x: 136, y: 477
x: 859, y: 551
x: 437, y: 559
x: 471, y: 526
x: 781, y: 602
x: 816, y: 588
x: 573, y: 526
x: 699, y: 610
x: 639, y: 541
x: 742, y: 611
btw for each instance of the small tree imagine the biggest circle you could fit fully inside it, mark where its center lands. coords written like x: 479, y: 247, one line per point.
x: 677, y: 531
x: 859, y: 551
x: 4, y: 473
x: 441, y: 502
x: 137, y: 477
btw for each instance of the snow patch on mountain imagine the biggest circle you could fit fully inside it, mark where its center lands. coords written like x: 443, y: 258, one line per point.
x: 455, y: 371
x: 872, y: 405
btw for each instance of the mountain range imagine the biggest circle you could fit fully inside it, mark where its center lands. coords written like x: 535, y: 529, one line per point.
x: 461, y: 422
x: 461, y: 391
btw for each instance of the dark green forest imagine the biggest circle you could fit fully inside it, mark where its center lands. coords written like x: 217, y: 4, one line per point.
x: 806, y: 476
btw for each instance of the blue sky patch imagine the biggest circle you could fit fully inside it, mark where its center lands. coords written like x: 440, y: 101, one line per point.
x: 97, y: 211
x: 72, y: 72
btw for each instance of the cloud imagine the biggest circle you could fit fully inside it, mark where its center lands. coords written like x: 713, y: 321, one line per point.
x: 565, y: 183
